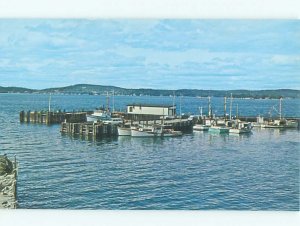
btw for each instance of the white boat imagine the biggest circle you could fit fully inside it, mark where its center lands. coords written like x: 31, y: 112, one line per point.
x: 142, y: 132
x: 281, y: 124
x: 113, y: 121
x: 98, y: 115
x: 170, y: 133
x: 154, y: 132
x: 199, y: 127
x: 124, y: 131
x: 241, y: 127
x: 218, y: 129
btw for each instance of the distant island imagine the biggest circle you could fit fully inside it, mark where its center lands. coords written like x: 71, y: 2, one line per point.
x: 102, y: 90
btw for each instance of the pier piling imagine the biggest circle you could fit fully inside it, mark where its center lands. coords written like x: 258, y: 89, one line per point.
x: 43, y: 117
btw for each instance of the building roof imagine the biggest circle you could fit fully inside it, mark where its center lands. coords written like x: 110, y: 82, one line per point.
x: 151, y: 105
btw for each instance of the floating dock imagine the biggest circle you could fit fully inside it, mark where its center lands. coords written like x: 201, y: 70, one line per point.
x: 45, y: 117
x: 8, y: 183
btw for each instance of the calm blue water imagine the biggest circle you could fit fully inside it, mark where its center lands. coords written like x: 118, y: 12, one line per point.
x: 197, y: 171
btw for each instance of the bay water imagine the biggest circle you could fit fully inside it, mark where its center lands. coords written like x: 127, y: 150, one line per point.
x: 198, y: 171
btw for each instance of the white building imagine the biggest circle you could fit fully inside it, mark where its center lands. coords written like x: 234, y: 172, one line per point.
x: 149, y: 111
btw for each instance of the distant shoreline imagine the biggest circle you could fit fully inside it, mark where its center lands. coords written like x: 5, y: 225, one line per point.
x: 104, y: 95
x: 87, y: 89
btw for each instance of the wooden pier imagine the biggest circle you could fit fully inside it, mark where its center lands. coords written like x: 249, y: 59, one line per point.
x: 97, y: 129
x: 8, y: 183
x: 45, y: 117
x: 100, y: 129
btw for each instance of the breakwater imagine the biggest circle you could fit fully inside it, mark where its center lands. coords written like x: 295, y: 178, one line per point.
x: 8, y: 183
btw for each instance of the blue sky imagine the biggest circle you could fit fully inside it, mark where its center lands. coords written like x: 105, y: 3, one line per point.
x: 164, y: 54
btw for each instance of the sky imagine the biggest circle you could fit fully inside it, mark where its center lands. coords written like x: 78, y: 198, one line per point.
x: 159, y: 54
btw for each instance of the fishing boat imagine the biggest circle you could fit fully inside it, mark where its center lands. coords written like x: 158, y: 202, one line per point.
x: 281, y: 124
x: 113, y: 121
x: 143, y: 132
x: 124, y: 130
x: 155, y: 131
x: 218, y: 129
x: 169, y: 133
x: 200, y: 127
x: 241, y: 127
x: 98, y: 115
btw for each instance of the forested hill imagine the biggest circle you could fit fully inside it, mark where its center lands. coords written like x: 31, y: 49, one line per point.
x: 103, y: 90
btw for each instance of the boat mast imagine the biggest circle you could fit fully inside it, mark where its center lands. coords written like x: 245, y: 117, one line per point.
x: 209, y: 107
x: 173, y: 103
x: 49, y: 103
x: 225, y: 108
x: 107, y: 104
x: 280, y: 106
x: 180, y: 105
x: 230, y: 106
x: 237, y: 111
x: 113, y: 100
x: 201, y: 114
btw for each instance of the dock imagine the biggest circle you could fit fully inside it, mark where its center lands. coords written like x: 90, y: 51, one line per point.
x: 100, y: 129
x: 97, y: 129
x: 46, y: 117
x: 8, y: 183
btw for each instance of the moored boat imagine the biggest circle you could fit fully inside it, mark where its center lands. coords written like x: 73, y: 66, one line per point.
x: 142, y: 132
x: 170, y: 133
x: 98, y: 115
x: 199, y: 127
x: 124, y: 131
x: 281, y: 124
x: 241, y: 127
x: 218, y: 129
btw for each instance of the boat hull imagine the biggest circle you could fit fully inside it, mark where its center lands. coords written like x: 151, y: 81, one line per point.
x: 141, y: 133
x: 239, y: 131
x: 124, y: 131
x: 220, y: 130
x: 200, y: 128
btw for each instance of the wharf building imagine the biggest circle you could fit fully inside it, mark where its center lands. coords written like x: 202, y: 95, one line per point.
x: 147, y: 112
